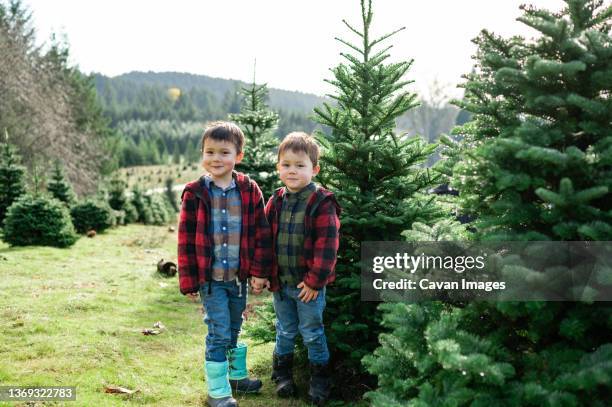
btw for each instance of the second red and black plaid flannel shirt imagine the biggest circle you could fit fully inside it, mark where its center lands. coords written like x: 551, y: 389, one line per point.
x: 321, y: 237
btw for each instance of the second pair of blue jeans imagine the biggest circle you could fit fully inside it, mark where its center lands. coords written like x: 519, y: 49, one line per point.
x: 294, y: 316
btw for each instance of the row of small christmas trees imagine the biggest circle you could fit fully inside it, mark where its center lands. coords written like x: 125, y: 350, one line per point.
x: 12, y: 181
x: 54, y: 217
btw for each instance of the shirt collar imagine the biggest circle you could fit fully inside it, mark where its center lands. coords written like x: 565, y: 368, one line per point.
x: 208, y: 181
x: 302, y: 194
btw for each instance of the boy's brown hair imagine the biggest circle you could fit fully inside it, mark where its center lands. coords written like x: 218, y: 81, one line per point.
x: 300, y: 141
x: 224, y: 131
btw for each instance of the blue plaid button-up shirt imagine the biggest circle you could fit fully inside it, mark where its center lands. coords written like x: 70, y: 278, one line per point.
x: 226, y: 222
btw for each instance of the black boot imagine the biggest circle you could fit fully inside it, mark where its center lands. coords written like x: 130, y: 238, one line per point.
x: 320, y: 384
x: 246, y: 385
x: 238, y: 373
x: 282, y: 375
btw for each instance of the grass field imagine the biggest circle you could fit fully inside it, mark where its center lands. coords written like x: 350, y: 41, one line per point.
x: 73, y: 317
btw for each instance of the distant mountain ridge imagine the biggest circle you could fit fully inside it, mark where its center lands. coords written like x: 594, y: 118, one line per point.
x: 156, y: 123
x: 279, y: 99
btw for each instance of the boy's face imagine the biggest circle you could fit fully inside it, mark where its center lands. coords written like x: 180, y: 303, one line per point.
x: 220, y: 157
x: 295, y: 170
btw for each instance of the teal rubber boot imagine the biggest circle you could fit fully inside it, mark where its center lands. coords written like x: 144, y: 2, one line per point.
x: 219, y: 390
x: 238, y: 373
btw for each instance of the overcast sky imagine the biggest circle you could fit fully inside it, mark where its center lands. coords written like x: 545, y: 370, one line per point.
x: 293, y: 41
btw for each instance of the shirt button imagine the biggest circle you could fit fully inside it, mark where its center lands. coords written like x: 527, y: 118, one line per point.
x: 222, y: 210
x: 224, y: 194
x: 224, y: 261
x: 224, y: 244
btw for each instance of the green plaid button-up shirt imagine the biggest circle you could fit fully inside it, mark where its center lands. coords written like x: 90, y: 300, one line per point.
x: 290, y: 240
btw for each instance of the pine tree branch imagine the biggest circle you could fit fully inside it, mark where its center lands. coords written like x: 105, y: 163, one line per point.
x: 352, y: 29
x: 351, y: 59
x: 349, y: 45
x: 384, y: 37
x: 602, y: 17
x: 379, y: 53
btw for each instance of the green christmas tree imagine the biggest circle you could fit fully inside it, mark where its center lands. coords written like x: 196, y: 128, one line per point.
x: 12, y: 179
x: 117, y: 197
x: 541, y: 166
x: 193, y: 152
x: 176, y: 155
x: 142, y: 206
x: 170, y: 195
x: 59, y: 187
x: 258, y: 123
x: 537, y: 166
x: 376, y: 176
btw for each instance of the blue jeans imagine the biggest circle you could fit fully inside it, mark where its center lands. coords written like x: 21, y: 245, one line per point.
x: 223, y: 309
x: 293, y: 317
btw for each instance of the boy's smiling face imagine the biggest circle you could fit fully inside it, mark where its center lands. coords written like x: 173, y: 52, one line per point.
x: 219, y: 158
x: 295, y: 169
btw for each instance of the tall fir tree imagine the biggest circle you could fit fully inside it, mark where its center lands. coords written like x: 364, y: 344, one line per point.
x: 376, y: 176
x: 176, y: 155
x: 50, y: 108
x: 12, y: 178
x: 59, y: 187
x: 193, y: 152
x: 170, y: 194
x: 537, y: 165
x: 258, y: 123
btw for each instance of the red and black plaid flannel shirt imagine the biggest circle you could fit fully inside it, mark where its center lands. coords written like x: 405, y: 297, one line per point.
x: 195, y: 244
x: 321, y: 237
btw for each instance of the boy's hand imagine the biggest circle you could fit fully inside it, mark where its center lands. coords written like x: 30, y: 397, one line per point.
x: 307, y: 294
x: 193, y: 296
x: 258, y: 284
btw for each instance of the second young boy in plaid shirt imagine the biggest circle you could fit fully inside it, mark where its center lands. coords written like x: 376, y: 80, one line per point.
x: 305, y: 220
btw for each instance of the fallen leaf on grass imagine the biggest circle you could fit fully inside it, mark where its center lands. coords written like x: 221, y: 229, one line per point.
x: 118, y: 390
x: 159, y: 329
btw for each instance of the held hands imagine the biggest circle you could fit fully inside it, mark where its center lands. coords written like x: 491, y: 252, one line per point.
x: 193, y: 296
x: 258, y: 284
x: 307, y: 294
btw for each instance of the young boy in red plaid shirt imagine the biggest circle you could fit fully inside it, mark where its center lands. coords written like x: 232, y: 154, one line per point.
x: 223, y: 239
x: 305, y: 221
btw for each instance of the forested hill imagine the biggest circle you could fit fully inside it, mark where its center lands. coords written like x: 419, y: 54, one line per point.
x: 161, y: 114
x: 204, y: 90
